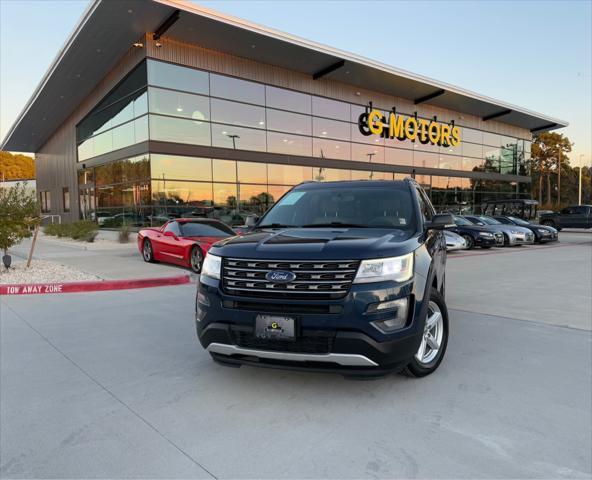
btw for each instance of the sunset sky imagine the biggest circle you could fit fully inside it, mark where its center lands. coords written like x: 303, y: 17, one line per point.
x: 537, y: 55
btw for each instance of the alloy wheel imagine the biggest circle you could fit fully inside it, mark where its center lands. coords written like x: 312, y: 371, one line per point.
x: 147, y: 251
x: 196, y: 260
x: 432, y: 335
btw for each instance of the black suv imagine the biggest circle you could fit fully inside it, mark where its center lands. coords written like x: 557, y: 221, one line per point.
x: 336, y: 276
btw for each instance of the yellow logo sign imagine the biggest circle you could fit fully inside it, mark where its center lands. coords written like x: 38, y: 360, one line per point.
x: 374, y: 122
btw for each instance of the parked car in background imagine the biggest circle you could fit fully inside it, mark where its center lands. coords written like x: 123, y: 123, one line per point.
x: 474, y: 235
x: 541, y: 233
x: 182, y: 241
x: 454, y: 241
x: 576, y: 216
x: 518, y: 207
x: 513, y: 234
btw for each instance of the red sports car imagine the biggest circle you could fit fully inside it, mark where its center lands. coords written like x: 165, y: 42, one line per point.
x: 182, y: 241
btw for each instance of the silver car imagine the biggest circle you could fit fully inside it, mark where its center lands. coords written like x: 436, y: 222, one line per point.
x: 513, y: 234
x: 454, y: 241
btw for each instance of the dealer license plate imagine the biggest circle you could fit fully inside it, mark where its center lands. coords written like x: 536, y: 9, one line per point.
x: 274, y: 327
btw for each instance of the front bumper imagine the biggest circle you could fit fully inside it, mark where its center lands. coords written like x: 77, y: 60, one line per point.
x: 482, y: 241
x: 341, y: 338
x: 520, y: 238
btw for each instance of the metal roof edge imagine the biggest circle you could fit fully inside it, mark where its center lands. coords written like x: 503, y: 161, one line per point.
x: 348, y: 56
x: 54, y: 64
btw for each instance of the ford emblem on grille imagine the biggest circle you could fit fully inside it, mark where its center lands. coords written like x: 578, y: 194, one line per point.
x: 280, y: 276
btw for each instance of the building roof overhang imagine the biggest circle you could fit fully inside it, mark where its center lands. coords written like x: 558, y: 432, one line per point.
x: 108, y: 28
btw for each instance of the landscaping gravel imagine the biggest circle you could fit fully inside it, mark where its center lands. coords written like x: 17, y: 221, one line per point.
x: 41, y: 271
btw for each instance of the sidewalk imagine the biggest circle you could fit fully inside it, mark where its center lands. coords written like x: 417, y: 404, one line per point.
x: 106, y: 259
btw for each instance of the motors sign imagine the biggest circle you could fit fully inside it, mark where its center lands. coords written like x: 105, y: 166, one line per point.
x: 395, y: 125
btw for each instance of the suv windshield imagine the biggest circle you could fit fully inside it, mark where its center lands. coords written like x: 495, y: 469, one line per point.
x: 339, y: 206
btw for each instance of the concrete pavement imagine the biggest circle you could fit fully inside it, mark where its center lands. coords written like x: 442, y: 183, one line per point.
x: 114, y: 384
x: 110, y: 262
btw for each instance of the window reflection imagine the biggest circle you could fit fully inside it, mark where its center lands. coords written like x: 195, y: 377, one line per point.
x: 471, y: 135
x: 288, y: 174
x: 289, y: 144
x: 251, y: 172
x: 180, y: 168
x: 472, y: 150
x: 367, y: 153
x: 325, y: 128
x: 398, y: 156
x: 179, y: 104
x: 179, y: 130
x: 276, y: 191
x: 288, y: 122
x: 331, y: 174
x: 229, y: 136
x: 234, y: 113
x: 426, y: 160
x: 236, y: 89
x: 288, y: 100
x: 254, y: 199
x: 324, y: 107
x: 225, y: 194
x: 323, y: 148
x: 178, y: 78
x: 451, y: 162
x: 181, y: 194
x: 224, y: 170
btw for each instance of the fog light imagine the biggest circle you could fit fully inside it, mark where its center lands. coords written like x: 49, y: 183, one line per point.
x: 398, y: 319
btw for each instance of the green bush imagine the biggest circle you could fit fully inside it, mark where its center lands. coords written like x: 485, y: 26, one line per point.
x: 84, y: 230
x: 124, y: 233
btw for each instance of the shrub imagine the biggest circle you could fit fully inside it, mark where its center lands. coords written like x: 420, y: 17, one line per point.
x: 84, y: 230
x: 124, y: 233
x: 18, y: 213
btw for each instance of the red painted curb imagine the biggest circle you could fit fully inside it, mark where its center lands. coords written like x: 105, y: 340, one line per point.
x: 94, y: 286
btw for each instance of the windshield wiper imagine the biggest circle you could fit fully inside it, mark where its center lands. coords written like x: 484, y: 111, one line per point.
x: 275, y: 225
x: 334, y: 224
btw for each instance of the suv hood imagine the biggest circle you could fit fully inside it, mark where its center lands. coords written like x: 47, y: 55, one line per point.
x: 319, y: 243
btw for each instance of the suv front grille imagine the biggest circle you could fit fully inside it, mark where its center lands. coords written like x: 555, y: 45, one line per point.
x: 315, y: 280
x: 309, y: 342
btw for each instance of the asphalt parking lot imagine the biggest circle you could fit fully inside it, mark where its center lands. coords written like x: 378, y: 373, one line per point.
x: 114, y: 384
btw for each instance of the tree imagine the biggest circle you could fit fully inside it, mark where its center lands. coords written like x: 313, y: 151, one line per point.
x: 549, y: 150
x: 16, y: 167
x: 19, y: 211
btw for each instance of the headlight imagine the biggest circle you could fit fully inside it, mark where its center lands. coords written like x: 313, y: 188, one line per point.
x: 542, y: 230
x: 486, y: 234
x: 398, y: 269
x: 211, y: 267
x: 515, y: 232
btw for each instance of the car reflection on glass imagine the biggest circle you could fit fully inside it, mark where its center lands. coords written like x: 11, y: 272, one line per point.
x: 454, y: 241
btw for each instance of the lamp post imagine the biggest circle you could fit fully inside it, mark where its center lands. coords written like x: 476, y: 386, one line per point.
x: 233, y: 137
x: 580, y: 181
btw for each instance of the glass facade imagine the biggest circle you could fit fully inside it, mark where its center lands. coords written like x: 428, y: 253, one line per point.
x: 170, y: 103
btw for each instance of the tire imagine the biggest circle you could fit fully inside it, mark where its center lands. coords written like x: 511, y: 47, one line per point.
x: 438, y: 333
x: 196, y: 259
x: 148, y: 252
x: 469, y: 240
x: 506, y: 240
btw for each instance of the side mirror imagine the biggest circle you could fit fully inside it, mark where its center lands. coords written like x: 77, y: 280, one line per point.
x: 439, y: 222
x: 170, y: 234
x: 251, y: 220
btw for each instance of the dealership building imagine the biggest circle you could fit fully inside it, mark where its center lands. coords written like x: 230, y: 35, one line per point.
x: 162, y: 108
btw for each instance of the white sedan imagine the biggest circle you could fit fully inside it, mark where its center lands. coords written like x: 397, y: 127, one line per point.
x: 454, y: 241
